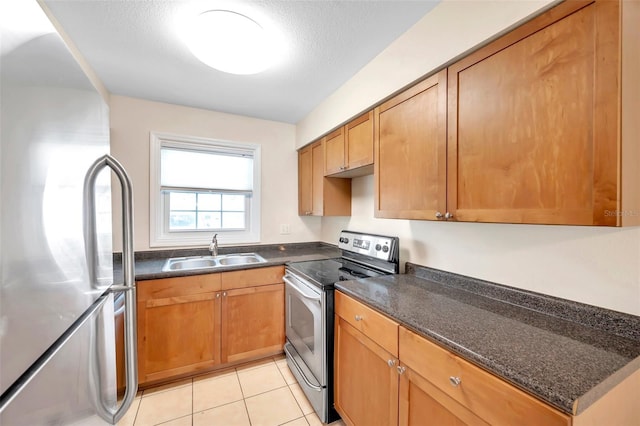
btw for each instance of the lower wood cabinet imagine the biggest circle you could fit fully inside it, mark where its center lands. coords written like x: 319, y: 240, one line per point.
x: 420, y: 403
x: 366, y: 381
x: 193, y: 324
x: 365, y: 364
x: 457, y: 389
x: 253, y: 322
x: 421, y: 383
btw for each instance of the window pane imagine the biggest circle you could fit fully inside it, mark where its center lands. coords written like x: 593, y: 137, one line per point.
x: 182, y: 220
x: 209, y: 220
x: 201, y: 169
x: 182, y: 201
x: 233, y: 202
x: 209, y: 202
x: 233, y: 220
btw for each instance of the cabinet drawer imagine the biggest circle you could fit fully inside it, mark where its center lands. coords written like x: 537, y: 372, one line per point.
x: 178, y: 286
x: 376, y: 326
x: 478, y: 390
x: 252, y: 277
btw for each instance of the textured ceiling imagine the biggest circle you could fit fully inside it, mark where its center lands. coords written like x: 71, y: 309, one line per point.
x: 135, y: 48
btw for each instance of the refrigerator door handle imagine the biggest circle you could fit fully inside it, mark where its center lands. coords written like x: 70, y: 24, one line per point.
x: 130, y: 338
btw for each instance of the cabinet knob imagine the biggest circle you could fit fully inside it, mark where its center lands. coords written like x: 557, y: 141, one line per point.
x: 217, y: 295
x: 358, y: 318
x: 455, y: 381
x: 224, y: 294
x: 391, y: 362
x: 448, y: 216
x: 439, y: 215
x: 400, y: 369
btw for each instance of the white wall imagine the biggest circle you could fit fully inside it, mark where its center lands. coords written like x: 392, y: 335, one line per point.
x: 132, y: 120
x: 448, y: 31
x: 587, y: 264
x: 82, y: 62
x: 598, y: 266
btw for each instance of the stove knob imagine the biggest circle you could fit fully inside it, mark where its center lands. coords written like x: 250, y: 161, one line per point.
x: 346, y: 241
x: 385, y: 249
x: 378, y: 247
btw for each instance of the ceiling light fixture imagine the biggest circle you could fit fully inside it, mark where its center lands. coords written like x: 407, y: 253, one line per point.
x: 229, y: 42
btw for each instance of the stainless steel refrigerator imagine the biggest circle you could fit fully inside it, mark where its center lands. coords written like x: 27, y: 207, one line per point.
x: 58, y: 325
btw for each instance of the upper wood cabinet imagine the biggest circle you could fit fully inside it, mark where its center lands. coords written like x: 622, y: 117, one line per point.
x: 305, y: 170
x: 334, y: 158
x: 410, y: 151
x: 530, y: 128
x: 349, y: 149
x: 319, y: 195
x: 534, y: 123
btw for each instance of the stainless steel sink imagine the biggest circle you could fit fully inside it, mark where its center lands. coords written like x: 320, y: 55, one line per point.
x: 240, y: 259
x: 211, y: 262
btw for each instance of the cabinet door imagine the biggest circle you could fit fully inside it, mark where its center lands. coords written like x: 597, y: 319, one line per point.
x: 410, y: 152
x: 359, y: 141
x: 423, y: 404
x: 334, y: 152
x: 178, y: 335
x: 533, y: 122
x: 366, y: 379
x: 331, y: 196
x: 305, y: 201
x: 317, y: 178
x: 252, y: 322
x: 473, y: 388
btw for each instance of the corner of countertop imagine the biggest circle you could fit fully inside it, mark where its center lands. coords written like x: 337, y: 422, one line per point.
x: 613, y: 322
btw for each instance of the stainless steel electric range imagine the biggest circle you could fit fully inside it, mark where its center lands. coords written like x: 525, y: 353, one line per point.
x: 309, y: 293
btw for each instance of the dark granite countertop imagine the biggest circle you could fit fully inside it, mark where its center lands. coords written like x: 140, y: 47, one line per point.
x: 566, y: 353
x: 148, y: 264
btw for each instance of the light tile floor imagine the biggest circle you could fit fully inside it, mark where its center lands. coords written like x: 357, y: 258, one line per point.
x: 263, y: 393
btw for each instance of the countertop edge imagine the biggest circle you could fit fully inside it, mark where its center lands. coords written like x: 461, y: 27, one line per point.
x: 600, y: 390
x: 569, y: 406
x: 148, y: 264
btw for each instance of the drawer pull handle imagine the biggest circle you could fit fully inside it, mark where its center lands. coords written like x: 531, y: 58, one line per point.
x: 400, y: 369
x: 455, y: 381
x: 391, y: 362
x: 358, y: 318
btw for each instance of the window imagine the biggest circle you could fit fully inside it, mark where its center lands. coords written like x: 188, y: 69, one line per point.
x: 200, y: 187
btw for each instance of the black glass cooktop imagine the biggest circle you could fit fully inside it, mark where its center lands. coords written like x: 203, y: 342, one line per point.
x: 325, y: 273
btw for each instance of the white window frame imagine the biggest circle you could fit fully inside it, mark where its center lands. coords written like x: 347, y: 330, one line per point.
x: 159, y: 235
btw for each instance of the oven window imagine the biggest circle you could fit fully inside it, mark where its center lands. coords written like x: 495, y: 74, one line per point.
x: 301, y: 321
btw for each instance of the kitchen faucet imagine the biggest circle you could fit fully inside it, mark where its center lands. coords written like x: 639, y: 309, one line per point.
x: 213, y: 246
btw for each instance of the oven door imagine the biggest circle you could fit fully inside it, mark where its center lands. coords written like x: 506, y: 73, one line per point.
x: 304, y: 323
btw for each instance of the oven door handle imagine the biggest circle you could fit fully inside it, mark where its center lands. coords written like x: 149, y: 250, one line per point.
x: 295, y: 364
x: 299, y: 291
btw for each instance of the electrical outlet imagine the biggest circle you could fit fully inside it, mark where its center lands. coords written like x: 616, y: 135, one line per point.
x: 285, y: 229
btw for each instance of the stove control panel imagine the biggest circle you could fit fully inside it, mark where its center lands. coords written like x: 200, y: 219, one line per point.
x: 378, y: 246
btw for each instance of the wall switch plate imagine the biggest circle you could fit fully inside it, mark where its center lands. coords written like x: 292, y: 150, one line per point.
x: 285, y: 229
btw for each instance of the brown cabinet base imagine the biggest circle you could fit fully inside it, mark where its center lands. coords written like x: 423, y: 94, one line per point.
x: 197, y: 324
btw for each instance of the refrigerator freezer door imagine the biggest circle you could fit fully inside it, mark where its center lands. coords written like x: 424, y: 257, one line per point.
x: 76, y: 385
x: 54, y: 126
